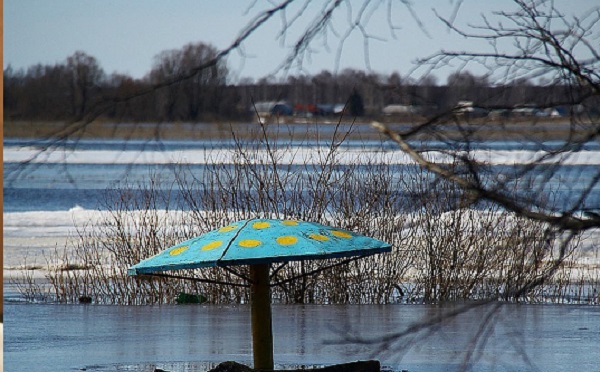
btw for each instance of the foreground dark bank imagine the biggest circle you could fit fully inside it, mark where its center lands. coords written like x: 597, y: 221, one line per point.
x: 359, y: 366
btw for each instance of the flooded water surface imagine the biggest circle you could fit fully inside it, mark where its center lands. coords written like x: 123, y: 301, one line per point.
x: 70, y: 184
x: 194, y: 338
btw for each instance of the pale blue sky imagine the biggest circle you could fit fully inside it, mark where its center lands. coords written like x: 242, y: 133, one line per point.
x: 126, y: 35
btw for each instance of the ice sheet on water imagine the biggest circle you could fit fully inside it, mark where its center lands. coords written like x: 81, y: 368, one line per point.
x: 293, y: 155
x: 29, y: 236
x: 47, y: 219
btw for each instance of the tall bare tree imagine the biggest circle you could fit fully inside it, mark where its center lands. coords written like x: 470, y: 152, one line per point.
x: 85, y: 76
x: 552, y: 47
x: 549, y: 45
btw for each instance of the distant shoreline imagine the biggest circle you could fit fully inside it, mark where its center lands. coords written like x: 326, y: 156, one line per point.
x: 523, y: 129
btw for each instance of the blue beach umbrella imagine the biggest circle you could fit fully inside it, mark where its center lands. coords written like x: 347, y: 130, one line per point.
x: 258, y: 243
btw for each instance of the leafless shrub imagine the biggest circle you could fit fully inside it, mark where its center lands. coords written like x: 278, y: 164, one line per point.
x: 442, y: 252
x: 28, y: 285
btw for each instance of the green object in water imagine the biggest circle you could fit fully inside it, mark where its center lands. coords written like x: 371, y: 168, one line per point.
x: 186, y: 298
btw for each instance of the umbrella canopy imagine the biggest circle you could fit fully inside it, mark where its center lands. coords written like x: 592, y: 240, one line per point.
x: 259, y: 241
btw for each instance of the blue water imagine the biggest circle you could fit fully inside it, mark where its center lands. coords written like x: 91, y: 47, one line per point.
x: 51, y: 337
x: 56, y: 187
x: 48, y: 338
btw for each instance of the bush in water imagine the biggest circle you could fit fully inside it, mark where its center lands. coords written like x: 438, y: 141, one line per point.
x: 442, y: 251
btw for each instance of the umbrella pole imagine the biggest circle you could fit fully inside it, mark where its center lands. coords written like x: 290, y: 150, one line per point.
x: 262, y: 332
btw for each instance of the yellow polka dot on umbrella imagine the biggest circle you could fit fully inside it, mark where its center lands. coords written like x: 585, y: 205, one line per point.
x: 228, y: 228
x: 212, y: 245
x: 250, y: 243
x: 341, y: 234
x: 319, y: 237
x: 289, y: 223
x: 261, y: 225
x: 178, y: 250
x: 287, y: 240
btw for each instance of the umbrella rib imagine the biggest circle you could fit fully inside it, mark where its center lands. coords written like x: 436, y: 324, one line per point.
x: 232, y: 240
x: 210, y: 281
x: 319, y: 270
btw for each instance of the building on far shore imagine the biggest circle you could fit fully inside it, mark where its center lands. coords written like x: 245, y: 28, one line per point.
x: 272, y: 108
x: 267, y: 109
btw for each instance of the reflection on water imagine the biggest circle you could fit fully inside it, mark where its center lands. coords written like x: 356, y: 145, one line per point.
x: 195, y: 338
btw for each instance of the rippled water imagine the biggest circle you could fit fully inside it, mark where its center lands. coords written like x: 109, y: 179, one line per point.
x: 195, y: 338
x: 78, y: 173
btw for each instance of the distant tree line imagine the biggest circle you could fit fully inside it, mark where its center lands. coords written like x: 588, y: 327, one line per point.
x: 79, y: 85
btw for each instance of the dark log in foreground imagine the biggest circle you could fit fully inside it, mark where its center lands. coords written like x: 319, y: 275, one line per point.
x: 359, y: 366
